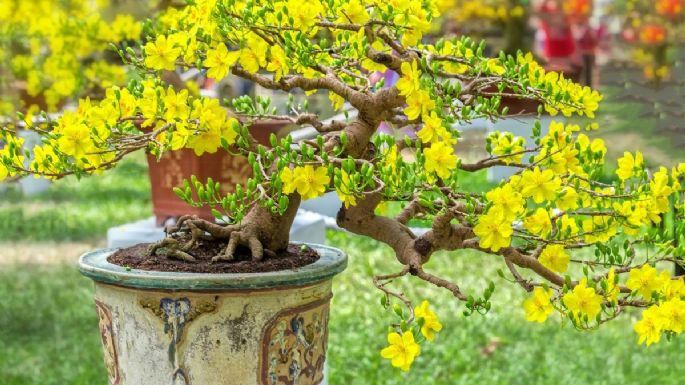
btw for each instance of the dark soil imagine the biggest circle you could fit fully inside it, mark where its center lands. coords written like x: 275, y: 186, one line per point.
x: 137, y: 257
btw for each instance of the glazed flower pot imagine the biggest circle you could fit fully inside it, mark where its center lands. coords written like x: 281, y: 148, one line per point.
x: 161, y: 328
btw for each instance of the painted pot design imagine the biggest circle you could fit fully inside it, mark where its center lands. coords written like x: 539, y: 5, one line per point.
x: 241, y: 329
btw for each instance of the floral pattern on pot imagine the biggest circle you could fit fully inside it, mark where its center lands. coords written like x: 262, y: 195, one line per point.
x: 294, y: 345
x: 107, y: 336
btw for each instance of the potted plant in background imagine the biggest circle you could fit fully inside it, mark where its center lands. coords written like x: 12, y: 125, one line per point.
x: 235, y: 300
x: 52, y: 53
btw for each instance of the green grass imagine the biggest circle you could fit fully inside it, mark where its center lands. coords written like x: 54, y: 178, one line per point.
x: 48, y: 328
x: 75, y: 209
x: 48, y: 331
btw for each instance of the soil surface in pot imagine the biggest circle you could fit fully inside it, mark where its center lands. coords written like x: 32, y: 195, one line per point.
x: 137, y: 257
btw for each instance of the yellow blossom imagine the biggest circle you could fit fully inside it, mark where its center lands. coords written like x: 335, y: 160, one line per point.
x: 161, y: 54
x: 287, y: 178
x: 253, y: 56
x: 612, y: 289
x: 344, y: 190
x: 507, y: 200
x: 219, y: 61
x: 644, y: 281
x: 440, y: 159
x: 540, y: 185
x: 538, y: 307
x: 410, y: 80
x: 583, y: 301
x: 493, y: 231
x: 419, y: 103
x: 176, y: 105
x: 555, y: 258
x: 627, y: 165
x: 431, y: 323
x: 278, y: 63
x: 649, y: 328
x: 673, y: 315
x: 402, y: 350
x: 310, y: 182
x: 539, y: 223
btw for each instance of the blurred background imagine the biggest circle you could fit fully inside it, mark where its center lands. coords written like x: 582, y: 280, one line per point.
x: 52, y: 53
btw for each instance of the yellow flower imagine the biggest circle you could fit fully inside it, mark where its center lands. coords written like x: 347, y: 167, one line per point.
x: 672, y: 288
x: 355, y: 12
x: 278, y: 63
x: 650, y: 326
x: 612, y: 289
x: 75, y: 140
x: 344, y: 191
x: 402, y: 350
x: 673, y: 315
x: 493, y: 231
x: 336, y: 99
x: 507, y: 200
x: 507, y: 146
x: 440, y: 159
x: 433, y: 130
x: 539, y: 223
x: 219, y: 61
x: 431, y: 323
x: 287, y: 178
x: 304, y: 14
x: 627, y: 165
x: 568, y: 199
x: 495, y: 67
x: 538, y: 307
x: 176, y: 105
x: 310, y: 182
x: 583, y: 301
x: 207, y: 140
x: 253, y: 56
x: 44, y: 160
x: 644, y: 281
x: 555, y: 258
x: 541, y: 185
x: 410, y: 80
x: 419, y: 103
x: 161, y: 54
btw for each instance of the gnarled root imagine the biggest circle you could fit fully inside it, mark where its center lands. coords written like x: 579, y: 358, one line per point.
x: 261, y: 232
x: 170, y: 248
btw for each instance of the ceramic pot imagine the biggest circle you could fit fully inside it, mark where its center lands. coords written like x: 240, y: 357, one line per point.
x: 161, y: 328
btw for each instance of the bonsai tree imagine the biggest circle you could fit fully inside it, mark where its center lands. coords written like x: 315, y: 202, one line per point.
x: 536, y: 223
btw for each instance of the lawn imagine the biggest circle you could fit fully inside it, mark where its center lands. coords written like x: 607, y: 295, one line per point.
x: 76, y: 210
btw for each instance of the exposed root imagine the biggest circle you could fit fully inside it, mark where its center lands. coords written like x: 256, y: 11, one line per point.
x: 245, y: 238
x: 170, y: 248
x: 200, y: 229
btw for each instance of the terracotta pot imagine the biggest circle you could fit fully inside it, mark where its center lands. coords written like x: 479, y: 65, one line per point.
x: 213, y: 329
x: 175, y: 166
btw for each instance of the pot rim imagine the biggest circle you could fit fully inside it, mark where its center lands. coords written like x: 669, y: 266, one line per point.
x: 95, y: 266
